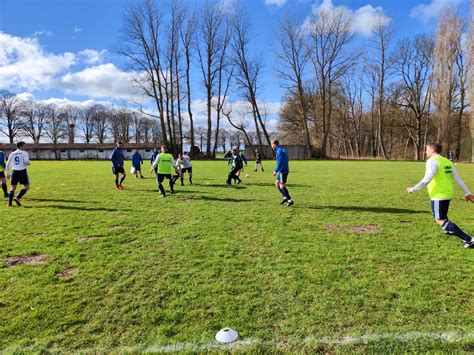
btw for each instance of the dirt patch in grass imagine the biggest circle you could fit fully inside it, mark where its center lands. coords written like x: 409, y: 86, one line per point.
x: 406, y: 223
x: 366, y: 229
x: 66, y: 273
x: 86, y: 239
x: 33, y: 259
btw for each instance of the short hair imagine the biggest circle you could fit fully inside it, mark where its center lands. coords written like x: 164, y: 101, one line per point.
x: 119, y: 142
x: 20, y: 144
x: 438, y: 148
x: 164, y: 147
x: 275, y: 141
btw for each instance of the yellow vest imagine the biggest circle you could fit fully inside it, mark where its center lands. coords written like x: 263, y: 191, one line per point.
x: 442, y: 185
x: 164, y: 165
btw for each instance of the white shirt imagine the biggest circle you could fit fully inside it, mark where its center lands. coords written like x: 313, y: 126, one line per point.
x: 185, y: 162
x: 431, y: 169
x: 18, y: 160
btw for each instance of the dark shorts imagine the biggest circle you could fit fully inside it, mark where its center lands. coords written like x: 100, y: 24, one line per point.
x: 257, y: 161
x: 20, y: 177
x: 2, y: 174
x: 137, y: 167
x: 189, y: 170
x: 282, y: 177
x: 440, y: 209
x: 161, y: 177
x: 118, y: 170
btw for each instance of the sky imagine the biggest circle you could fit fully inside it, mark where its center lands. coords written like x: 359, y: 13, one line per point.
x: 62, y: 51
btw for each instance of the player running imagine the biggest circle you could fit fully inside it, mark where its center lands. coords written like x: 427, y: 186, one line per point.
x: 236, y: 167
x: 17, y: 162
x: 440, y: 176
x: 3, y: 180
x: 281, y: 172
x: 166, y: 165
x: 184, y: 162
x: 117, y: 159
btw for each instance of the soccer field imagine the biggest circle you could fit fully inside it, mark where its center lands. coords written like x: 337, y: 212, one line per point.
x: 355, y: 265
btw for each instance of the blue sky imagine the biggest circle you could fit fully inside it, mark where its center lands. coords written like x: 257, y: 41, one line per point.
x: 61, y: 50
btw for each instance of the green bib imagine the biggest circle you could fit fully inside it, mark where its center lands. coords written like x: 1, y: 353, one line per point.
x: 442, y: 185
x: 164, y: 165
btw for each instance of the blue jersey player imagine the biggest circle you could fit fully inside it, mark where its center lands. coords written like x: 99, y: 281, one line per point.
x: 281, y: 172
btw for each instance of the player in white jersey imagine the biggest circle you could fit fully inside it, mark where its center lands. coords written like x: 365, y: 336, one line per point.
x: 17, y: 162
x: 184, y: 161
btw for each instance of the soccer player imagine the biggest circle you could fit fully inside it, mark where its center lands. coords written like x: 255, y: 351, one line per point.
x: 236, y: 167
x: 166, y: 164
x: 117, y: 159
x: 258, y: 161
x: 184, y: 162
x: 440, y: 176
x: 18, y: 161
x: 137, y: 162
x: 3, y: 180
x: 153, y: 157
x: 281, y: 172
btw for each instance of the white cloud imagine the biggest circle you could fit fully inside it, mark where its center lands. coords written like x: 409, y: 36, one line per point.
x: 426, y: 12
x: 364, y: 18
x: 90, y: 56
x: 77, y: 29
x: 24, y: 64
x: 105, y: 80
x: 42, y: 33
x: 277, y: 3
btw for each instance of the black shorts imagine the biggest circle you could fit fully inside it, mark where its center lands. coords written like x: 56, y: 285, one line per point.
x: 2, y: 174
x: 138, y: 167
x: 189, y: 170
x: 282, y: 177
x: 440, y: 209
x: 118, y: 170
x: 257, y: 161
x: 20, y: 177
x: 161, y: 177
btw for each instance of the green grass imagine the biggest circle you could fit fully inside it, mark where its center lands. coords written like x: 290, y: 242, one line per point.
x: 174, y: 270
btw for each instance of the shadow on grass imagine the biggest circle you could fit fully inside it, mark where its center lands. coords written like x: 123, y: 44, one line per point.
x: 53, y: 200
x: 271, y: 183
x: 368, y: 209
x: 223, y: 199
x: 79, y: 208
x: 223, y: 185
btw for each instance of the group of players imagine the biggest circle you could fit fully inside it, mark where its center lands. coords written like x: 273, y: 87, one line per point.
x: 439, y: 177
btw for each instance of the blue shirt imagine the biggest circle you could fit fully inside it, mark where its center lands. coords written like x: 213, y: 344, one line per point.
x: 117, y: 157
x: 137, y: 159
x: 282, y: 165
x: 153, y: 157
x: 2, y: 159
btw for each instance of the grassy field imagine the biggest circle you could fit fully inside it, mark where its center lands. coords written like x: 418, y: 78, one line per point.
x: 131, y: 271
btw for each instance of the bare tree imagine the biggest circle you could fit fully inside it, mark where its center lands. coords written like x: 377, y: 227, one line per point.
x: 293, y: 57
x: 330, y: 37
x: 100, y: 123
x: 248, y: 72
x: 444, y: 86
x: 11, y: 107
x: 55, y: 127
x: 71, y: 115
x: 471, y: 86
x: 33, y: 120
x: 141, y: 46
x: 86, y: 122
x: 413, y: 64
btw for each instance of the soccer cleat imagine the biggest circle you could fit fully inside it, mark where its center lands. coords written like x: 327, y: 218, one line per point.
x: 238, y: 182
x: 173, y: 192
x: 17, y: 201
x: 468, y: 245
x: 283, y: 201
x: 263, y: 170
x: 121, y: 187
x: 255, y: 170
x: 227, y: 184
x: 290, y: 203
x: 6, y: 195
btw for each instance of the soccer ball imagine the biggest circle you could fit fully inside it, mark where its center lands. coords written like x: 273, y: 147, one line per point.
x: 247, y: 175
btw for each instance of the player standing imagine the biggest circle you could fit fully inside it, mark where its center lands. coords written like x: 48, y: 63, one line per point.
x: 117, y: 159
x: 281, y: 172
x: 440, y: 176
x: 184, y: 161
x: 137, y: 162
x: 258, y: 161
x: 18, y: 161
x: 3, y: 180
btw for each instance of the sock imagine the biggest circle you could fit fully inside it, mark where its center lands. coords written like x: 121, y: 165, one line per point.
x: 161, y: 188
x: 116, y: 181
x: 171, y: 185
x: 452, y: 228
x: 287, y: 194
x: 121, y: 180
x: 282, y: 193
x: 4, y: 188
x: 190, y: 180
x: 182, y: 179
x: 10, y: 198
x: 22, y: 193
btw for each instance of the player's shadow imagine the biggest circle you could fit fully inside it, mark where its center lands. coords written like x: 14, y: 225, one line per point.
x: 224, y: 199
x: 79, y: 208
x: 272, y: 184
x: 235, y: 186
x: 370, y: 209
x: 54, y: 200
